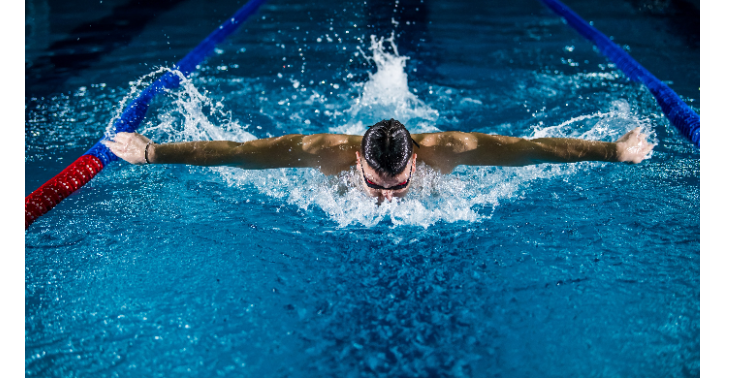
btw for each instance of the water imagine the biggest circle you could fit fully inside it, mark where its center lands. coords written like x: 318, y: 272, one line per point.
x: 588, y: 269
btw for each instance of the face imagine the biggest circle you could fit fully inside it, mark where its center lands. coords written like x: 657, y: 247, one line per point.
x: 368, y: 173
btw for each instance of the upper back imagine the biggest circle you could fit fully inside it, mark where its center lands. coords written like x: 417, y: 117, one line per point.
x: 441, y: 150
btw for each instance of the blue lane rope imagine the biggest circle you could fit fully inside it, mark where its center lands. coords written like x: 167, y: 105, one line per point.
x: 134, y: 113
x: 679, y: 114
x: 81, y: 171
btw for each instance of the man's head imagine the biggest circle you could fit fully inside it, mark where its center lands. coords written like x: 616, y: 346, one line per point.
x: 386, y: 159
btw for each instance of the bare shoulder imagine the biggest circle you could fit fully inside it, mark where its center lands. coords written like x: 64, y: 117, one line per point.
x: 332, y: 153
x: 317, y: 143
x: 447, y: 141
x: 447, y: 150
x: 441, y: 150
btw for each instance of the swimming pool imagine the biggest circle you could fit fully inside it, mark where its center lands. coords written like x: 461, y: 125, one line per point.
x: 589, y: 269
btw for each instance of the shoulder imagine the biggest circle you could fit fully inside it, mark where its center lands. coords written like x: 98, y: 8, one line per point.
x: 318, y: 142
x: 443, y: 150
x: 331, y: 153
x: 447, y: 141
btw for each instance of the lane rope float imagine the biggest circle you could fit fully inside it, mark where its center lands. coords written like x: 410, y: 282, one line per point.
x: 686, y: 120
x: 81, y: 171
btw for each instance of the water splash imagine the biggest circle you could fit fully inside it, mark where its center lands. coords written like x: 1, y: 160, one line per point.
x: 386, y: 94
x: 136, y: 87
x: 606, y: 126
x: 470, y: 194
x: 192, y: 116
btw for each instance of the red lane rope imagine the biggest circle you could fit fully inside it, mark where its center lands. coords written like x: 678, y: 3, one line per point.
x: 82, y: 170
x: 60, y: 186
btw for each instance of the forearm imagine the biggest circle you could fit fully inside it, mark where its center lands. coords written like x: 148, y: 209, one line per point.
x: 500, y: 150
x: 205, y: 153
x: 568, y: 150
x: 328, y: 152
x: 281, y: 152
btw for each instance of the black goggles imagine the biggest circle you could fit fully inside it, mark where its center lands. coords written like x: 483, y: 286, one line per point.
x: 378, y: 187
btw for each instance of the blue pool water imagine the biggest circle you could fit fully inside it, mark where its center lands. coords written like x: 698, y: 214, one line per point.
x: 588, y: 269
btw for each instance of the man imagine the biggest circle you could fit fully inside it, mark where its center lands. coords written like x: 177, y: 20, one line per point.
x: 386, y: 155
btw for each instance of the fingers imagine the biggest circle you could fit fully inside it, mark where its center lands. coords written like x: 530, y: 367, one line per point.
x: 647, y: 150
x: 122, y: 141
x: 115, y: 147
x: 638, y: 136
x: 634, y: 146
x: 117, y: 144
x: 110, y: 144
x: 630, y: 135
x: 128, y: 146
x: 123, y: 137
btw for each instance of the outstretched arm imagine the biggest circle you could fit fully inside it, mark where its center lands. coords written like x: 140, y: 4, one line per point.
x: 327, y: 152
x: 448, y: 150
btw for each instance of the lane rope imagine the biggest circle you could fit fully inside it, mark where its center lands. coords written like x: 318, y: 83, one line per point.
x: 98, y: 156
x: 686, y: 120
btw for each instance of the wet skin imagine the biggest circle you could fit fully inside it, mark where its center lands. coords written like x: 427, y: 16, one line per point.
x: 385, y: 180
x: 334, y: 153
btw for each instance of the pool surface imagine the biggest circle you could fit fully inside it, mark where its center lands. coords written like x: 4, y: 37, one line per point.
x: 587, y: 269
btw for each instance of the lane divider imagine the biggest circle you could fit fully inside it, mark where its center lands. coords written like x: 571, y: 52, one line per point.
x: 686, y: 120
x: 95, y: 159
x: 81, y: 171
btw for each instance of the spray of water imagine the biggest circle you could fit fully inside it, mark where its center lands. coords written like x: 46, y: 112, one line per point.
x: 386, y: 94
x: 192, y: 115
x: 470, y: 194
x: 135, y: 88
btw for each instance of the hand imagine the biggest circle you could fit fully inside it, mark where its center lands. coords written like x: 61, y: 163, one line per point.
x: 633, y: 147
x: 130, y: 147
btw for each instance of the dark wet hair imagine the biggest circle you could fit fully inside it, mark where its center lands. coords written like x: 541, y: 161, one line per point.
x: 387, y: 146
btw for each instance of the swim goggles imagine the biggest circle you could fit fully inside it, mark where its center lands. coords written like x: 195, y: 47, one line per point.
x: 378, y: 187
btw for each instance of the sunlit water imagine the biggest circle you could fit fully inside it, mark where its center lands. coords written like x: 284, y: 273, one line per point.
x: 588, y: 269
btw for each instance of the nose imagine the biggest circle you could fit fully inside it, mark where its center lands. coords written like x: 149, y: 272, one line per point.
x: 387, y: 194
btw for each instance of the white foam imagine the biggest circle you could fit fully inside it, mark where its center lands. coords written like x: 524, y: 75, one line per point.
x: 135, y: 88
x: 606, y: 126
x: 469, y: 195
x: 386, y: 95
x: 192, y: 116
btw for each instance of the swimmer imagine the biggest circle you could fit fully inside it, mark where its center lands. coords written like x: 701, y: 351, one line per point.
x: 385, y: 156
